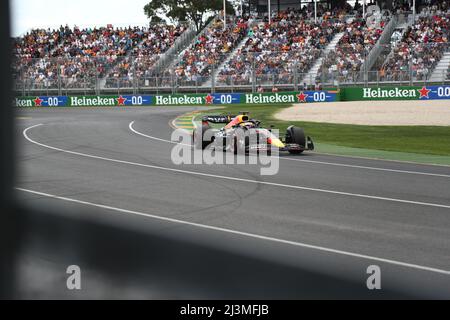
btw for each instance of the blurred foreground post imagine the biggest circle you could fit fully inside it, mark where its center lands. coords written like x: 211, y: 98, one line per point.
x: 364, y: 9
x: 315, y: 11
x: 224, y: 15
x: 7, y: 224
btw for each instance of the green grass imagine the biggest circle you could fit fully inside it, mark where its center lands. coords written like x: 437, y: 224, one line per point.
x: 425, y: 140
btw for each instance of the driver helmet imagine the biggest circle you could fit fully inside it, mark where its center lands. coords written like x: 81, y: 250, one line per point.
x: 247, y: 124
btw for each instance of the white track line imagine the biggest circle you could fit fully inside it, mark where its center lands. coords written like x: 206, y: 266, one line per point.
x: 245, y: 234
x: 195, y: 173
x: 314, y: 161
x: 369, y: 168
x: 130, y: 126
x: 382, y: 159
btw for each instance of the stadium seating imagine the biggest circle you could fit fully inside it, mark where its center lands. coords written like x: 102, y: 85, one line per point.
x: 79, y: 56
x: 421, y: 48
x: 209, y: 50
x: 274, y: 53
x: 275, y: 50
x: 155, y: 41
x: 344, y: 63
x: 38, y: 43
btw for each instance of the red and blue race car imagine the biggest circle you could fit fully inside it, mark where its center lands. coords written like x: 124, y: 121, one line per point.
x: 240, y: 134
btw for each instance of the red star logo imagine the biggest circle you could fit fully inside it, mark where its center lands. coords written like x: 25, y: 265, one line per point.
x: 301, y: 97
x: 209, y: 99
x: 121, y: 100
x: 424, y: 92
x: 38, y: 102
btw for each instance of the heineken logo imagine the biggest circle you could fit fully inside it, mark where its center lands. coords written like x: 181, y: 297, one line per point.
x: 389, y: 93
x: 29, y: 102
x: 38, y: 102
x: 121, y: 100
x: 424, y: 92
x: 176, y: 100
x: 92, y: 101
x: 24, y: 102
x: 301, y: 97
x: 271, y: 98
x: 209, y: 99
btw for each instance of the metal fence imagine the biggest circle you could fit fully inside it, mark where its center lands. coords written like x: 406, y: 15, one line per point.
x: 238, y: 71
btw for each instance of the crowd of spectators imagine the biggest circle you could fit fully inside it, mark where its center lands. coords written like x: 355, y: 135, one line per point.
x: 420, y: 49
x: 210, y: 49
x: 345, y: 62
x: 38, y: 43
x: 156, y: 40
x: 430, y: 7
x: 274, y: 50
x: 78, y: 57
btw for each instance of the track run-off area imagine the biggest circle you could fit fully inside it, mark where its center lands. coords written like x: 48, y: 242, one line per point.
x: 346, y: 212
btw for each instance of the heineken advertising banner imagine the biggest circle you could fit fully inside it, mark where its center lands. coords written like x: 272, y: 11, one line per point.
x: 84, y: 101
x: 42, y: 101
x: 179, y: 99
x: 346, y: 94
x: 396, y: 93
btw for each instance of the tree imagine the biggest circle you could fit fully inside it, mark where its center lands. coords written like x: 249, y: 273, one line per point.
x: 196, y: 11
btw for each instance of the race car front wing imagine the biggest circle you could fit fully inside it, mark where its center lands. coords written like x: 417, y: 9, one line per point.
x: 297, y: 147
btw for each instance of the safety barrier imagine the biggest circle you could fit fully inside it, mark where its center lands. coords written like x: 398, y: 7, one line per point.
x: 179, y: 99
x: 396, y: 93
x: 343, y: 94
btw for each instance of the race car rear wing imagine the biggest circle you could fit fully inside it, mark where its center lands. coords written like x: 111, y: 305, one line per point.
x: 224, y: 118
x: 218, y: 118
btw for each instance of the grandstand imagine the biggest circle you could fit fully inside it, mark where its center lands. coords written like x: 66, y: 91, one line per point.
x: 274, y: 52
x: 421, y: 48
x: 336, y: 43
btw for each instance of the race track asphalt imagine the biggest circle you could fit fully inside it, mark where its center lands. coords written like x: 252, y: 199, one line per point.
x: 336, y: 212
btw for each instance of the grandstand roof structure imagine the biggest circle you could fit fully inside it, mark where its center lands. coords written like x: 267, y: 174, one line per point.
x: 277, y: 5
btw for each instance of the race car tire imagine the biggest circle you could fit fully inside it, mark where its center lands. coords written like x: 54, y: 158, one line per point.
x: 198, y: 137
x: 296, y: 135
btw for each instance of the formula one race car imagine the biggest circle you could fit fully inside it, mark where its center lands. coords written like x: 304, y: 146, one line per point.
x: 243, y: 135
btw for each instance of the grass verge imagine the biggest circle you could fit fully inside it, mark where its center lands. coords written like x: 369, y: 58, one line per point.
x: 404, y: 142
